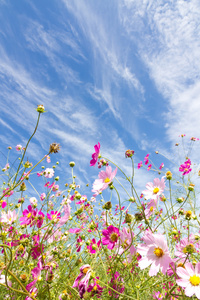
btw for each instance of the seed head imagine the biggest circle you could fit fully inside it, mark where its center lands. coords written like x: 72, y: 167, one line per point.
x: 54, y: 148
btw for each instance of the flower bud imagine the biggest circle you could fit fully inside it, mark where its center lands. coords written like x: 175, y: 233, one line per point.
x: 128, y: 218
x: 22, y: 187
x: 107, y: 205
x: 72, y: 164
x: 129, y: 153
x: 191, y: 187
x: 168, y: 175
x: 40, y: 108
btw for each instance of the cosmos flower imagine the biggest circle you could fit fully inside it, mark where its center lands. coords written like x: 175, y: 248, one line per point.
x: 189, y: 279
x: 48, y: 173
x: 105, y: 178
x: 186, y: 167
x: 95, y: 155
x: 155, y: 253
x: 111, y: 235
x: 154, y: 189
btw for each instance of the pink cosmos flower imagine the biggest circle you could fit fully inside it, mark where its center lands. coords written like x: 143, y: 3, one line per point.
x: 186, y: 167
x: 8, y: 217
x: 28, y: 216
x: 161, y: 166
x: 149, y: 167
x: 194, y: 139
x: 95, y: 288
x: 48, y: 159
x: 126, y: 241
x: 94, y: 247
x: 190, y: 279
x: 42, y: 196
x: 151, y: 206
x: 7, y: 194
x: 33, y: 201
x: 105, y: 178
x: 65, y: 218
x: 185, y: 247
x: 7, y: 166
x: 111, y: 235
x: 53, y: 215
x: 18, y: 147
x: 82, y: 280
x: 48, y: 173
x: 139, y: 165
x: 3, y: 204
x: 154, y: 189
x: 146, y: 159
x: 155, y: 253
x: 116, y: 283
x: 157, y: 295
x: 95, y: 155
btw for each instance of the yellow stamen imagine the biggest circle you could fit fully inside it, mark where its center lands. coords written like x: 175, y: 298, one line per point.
x: 29, y: 215
x: 107, y: 180
x: 156, y: 190
x: 114, y: 237
x: 85, y: 270
x: 151, y: 208
x: 158, y: 252
x: 195, y: 280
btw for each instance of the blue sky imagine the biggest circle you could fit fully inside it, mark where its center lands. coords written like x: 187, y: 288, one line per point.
x: 123, y: 73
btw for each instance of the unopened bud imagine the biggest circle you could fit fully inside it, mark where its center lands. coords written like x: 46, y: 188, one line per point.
x: 40, y: 108
x: 72, y: 164
x: 168, y: 175
x: 107, y: 205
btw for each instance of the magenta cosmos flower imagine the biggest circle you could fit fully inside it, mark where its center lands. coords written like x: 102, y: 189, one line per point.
x: 95, y: 155
x: 186, y: 167
x: 155, y: 253
x: 111, y: 235
x: 189, y: 279
x: 105, y: 178
x: 154, y: 189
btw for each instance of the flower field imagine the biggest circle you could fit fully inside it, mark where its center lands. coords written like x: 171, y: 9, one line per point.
x: 119, y: 243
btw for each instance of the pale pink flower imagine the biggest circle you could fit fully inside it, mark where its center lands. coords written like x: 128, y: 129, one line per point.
x: 186, y: 246
x: 95, y: 155
x: 49, y: 173
x: 7, y: 166
x: 42, y: 196
x: 48, y: 159
x: 105, y: 178
x: 126, y: 241
x: 154, y: 189
x: 189, y: 279
x: 33, y: 201
x: 8, y: 217
x: 65, y: 218
x: 151, y: 206
x: 18, y: 147
x: 155, y: 253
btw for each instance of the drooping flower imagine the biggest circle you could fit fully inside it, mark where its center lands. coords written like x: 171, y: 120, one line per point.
x: 82, y: 280
x: 154, y: 189
x: 129, y: 153
x: 95, y: 155
x: 111, y: 236
x: 42, y: 196
x: 190, y: 279
x: 161, y: 166
x: 105, y: 178
x: 65, y: 218
x: 139, y: 165
x: 155, y: 253
x: 125, y: 242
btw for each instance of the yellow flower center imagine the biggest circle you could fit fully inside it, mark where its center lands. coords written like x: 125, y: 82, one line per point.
x: 151, y: 208
x: 29, y: 215
x: 156, y: 190
x: 158, y: 252
x: 189, y: 249
x: 114, y: 237
x: 85, y: 270
x: 107, y: 180
x: 195, y: 280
